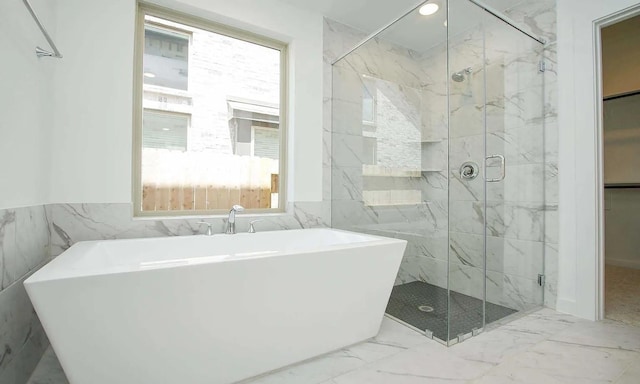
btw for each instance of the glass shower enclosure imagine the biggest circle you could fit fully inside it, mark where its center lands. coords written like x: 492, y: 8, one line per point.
x: 437, y: 139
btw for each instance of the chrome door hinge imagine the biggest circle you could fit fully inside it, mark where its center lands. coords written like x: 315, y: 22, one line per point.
x: 542, y: 66
x: 541, y: 280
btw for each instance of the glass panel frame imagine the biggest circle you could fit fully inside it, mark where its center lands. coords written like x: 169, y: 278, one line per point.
x: 448, y: 239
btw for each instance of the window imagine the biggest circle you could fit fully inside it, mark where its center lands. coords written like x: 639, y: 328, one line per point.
x: 164, y: 130
x: 369, y: 150
x: 209, y: 127
x: 368, y: 103
x: 166, y: 56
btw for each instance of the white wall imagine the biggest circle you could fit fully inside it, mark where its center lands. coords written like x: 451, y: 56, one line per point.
x: 92, y: 131
x: 25, y: 105
x: 622, y: 222
x: 579, y: 205
x: 91, y: 138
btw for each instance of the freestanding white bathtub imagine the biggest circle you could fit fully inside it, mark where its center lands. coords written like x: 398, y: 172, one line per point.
x: 211, y: 309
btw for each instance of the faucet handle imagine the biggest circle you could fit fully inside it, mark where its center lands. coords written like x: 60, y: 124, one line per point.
x: 251, y: 227
x: 209, y: 230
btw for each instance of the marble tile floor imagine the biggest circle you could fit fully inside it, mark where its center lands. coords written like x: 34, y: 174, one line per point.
x: 622, y: 295
x: 544, y: 346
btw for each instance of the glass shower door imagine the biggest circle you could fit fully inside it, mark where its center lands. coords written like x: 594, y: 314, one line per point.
x: 466, y: 85
x: 496, y: 181
x: 437, y: 139
x: 514, y: 170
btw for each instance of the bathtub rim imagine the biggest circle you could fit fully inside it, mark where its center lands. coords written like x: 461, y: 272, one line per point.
x: 55, y: 269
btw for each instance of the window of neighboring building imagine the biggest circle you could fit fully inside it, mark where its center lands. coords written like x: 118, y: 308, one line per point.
x: 164, y: 130
x: 368, y: 102
x: 198, y: 150
x: 166, y: 55
x: 369, y: 150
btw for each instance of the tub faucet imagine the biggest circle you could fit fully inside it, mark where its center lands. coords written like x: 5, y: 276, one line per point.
x: 231, y: 224
x: 252, y: 229
x: 209, y: 230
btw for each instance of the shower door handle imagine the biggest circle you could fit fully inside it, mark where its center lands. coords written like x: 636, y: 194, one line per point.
x: 502, y: 168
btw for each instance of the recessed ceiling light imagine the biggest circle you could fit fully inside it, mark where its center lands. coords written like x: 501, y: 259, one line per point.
x: 428, y: 9
x: 166, y: 129
x: 149, y: 74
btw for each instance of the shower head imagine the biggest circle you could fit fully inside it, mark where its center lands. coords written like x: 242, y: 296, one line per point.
x: 459, y: 77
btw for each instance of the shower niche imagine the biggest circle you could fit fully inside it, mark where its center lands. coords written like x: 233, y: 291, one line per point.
x: 437, y: 139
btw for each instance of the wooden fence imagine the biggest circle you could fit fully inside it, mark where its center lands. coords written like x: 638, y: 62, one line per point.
x: 201, y: 197
x: 183, y: 181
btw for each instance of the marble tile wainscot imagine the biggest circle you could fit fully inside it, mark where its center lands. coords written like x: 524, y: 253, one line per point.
x: 71, y: 223
x: 24, y: 247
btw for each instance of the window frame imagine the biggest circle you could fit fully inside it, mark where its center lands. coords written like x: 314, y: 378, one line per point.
x: 144, y: 9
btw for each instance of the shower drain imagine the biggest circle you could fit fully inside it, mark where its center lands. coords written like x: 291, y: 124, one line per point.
x: 425, y: 308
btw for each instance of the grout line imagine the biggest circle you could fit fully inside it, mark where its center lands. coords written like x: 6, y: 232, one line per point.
x: 26, y: 275
x: 590, y: 346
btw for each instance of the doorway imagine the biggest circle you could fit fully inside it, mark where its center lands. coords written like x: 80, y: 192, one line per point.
x: 620, y: 51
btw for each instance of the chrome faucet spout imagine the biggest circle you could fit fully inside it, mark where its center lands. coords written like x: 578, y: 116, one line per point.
x: 231, y: 223
x: 209, y: 230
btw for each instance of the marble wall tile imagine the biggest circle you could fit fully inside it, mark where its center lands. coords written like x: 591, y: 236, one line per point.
x: 466, y: 190
x: 514, y: 257
x: 467, y: 280
x: 523, y: 183
x: 551, y: 275
x: 513, y: 291
x: 537, y: 17
x: 22, y: 337
x: 551, y: 223
x: 512, y: 269
x: 551, y: 183
x: 418, y: 268
x: 71, y: 223
x: 387, y: 61
x: 467, y: 217
x: 338, y: 39
x: 521, y: 72
x: 518, y: 209
x: 551, y: 140
x: 435, y: 186
x: 523, y: 221
x: 24, y: 247
x: 551, y: 173
x: 524, y: 145
x: 466, y: 148
x: 24, y: 242
x: 347, y: 183
x: 347, y: 151
x: 466, y: 249
x: 520, y: 258
x: 347, y: 116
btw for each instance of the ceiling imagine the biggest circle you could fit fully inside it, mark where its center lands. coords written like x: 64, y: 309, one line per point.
x: 414, y: 31
x: 350, y: 12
